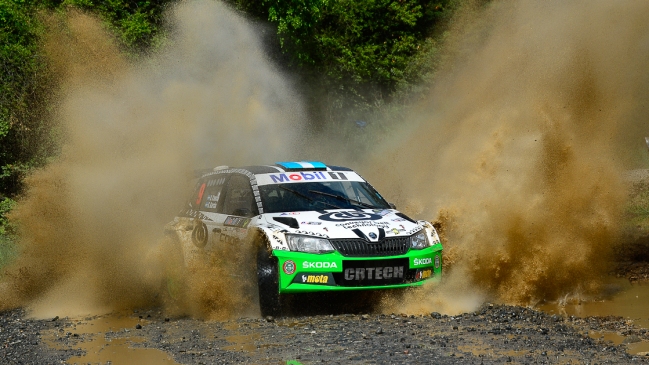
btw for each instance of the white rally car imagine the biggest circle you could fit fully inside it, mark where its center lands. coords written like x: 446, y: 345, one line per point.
x: 315, y: 228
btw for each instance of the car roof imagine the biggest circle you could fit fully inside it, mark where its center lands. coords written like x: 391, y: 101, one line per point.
x: 278, y: 167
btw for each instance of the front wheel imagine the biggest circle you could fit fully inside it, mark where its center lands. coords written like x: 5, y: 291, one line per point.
x: 174, y: 279
x: 270, y: 300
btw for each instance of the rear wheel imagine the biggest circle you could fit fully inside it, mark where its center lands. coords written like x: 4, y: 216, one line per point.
x: 270, y: 300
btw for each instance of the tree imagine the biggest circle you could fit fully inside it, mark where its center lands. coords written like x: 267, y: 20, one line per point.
x: 359, y: 51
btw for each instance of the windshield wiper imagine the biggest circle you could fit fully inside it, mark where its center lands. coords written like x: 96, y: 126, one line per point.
x: 340, y: 197
x: 306, y: 196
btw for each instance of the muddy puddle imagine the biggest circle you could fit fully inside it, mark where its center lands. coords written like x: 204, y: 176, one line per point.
x: 106, y: 339
x: 622, y: 299
x: 239, y: 341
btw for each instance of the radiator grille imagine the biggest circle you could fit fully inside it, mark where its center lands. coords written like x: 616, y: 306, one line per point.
x: 361, y: 248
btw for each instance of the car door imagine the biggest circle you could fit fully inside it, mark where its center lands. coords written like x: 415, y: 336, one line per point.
x: 238, y: 208
x: 208, y: 200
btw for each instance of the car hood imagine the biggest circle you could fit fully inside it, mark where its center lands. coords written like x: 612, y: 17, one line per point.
x: 370, y: 224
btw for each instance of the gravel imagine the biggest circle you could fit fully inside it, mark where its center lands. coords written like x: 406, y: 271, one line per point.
x: 494, y: 334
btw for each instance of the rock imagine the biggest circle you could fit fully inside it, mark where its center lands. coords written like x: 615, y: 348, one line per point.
x: 379, y: 331
x: 55, y: 318
x: 632, y: 339
x: 436, y: 315
x: 270, y: 319
x: 138, y: 326
x: 365, y: 316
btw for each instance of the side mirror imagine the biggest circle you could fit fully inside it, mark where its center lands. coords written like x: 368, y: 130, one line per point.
x: 392, y: 205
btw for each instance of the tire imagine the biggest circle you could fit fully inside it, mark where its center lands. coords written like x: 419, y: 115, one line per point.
x: 175, y: 273
x: 270, y: 301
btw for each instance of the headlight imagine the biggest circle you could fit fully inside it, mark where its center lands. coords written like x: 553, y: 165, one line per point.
x: 308, y: 244
x: 419, y: 240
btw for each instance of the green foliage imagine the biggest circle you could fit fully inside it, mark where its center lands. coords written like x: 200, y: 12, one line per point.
x: 7, y: 250
x: 23, y: 95
x: 26, y: 86
x: 361, y: 41
x: 7, y: 247
x: 360, y: 53
x: 136, y: 23
x: 6, y: 205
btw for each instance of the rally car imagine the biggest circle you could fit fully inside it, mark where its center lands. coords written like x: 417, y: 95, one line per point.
x: 316, y: 228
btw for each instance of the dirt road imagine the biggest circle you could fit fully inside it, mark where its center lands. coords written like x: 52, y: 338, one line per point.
x: 493, y: 334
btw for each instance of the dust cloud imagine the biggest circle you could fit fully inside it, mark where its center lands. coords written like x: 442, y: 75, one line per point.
x: 518, y: 151
x: 91, y: 221
x: 521, y: 146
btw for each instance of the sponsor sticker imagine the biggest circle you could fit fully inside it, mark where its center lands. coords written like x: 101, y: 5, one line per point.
x: 311, y: 278
x: 424, y: 261
x: 349, y: 216
x: 358, y: 224
x: 373, y: 273
x: 236, y: 222
x: 288, y: 267
x: 423, y: 274
x: 201, y: 191
x: 306, y: 176
x: 309, y: 233
x: 290, y: 213
x: 191, y: 213
x: 319, y: 265
x: 312, y: 223
x: 398, y: 220
x: 437, y: 261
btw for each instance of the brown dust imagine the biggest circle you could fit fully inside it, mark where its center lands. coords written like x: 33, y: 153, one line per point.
x: 91, y: 223
x: 520, y: 150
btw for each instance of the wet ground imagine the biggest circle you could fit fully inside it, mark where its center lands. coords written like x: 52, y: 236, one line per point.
x: 492, y: 334
x: 611, y: 329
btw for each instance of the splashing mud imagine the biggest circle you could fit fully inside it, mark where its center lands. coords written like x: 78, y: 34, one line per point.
x: 522, y: 145
x: 518, y: 151
x: 90, y: 223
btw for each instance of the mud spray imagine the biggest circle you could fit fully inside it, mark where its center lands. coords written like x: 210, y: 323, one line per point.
x: 519, y: 151
x: 90, y: 223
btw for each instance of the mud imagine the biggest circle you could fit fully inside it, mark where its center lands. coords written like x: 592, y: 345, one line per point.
x: 493, y: 334
x: 521, y: 145
x: 133, y: 132
x: 96, y: 339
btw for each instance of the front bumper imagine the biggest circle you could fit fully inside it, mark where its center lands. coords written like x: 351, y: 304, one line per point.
x: 301, y: 272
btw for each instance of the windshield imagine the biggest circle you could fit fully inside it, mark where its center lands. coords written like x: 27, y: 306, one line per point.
x: 299, y: 197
